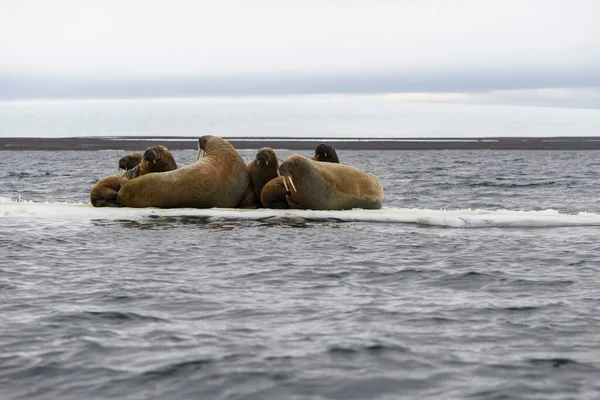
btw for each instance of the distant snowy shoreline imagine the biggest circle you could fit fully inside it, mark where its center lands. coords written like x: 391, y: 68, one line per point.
x: 183, y: 142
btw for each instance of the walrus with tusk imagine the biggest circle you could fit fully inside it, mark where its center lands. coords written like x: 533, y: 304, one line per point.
x: 218, y: 178
x: 129, y: 161
x: 325, y: 153
x: 316, y: 185
x: 154, y: 159
x: 262, y: 169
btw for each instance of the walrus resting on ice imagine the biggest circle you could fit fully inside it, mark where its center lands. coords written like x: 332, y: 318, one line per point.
x: 219, y: 179
x: 262, y: 169
x: 325, y: 153
x: 155, y: 159
x: 273, y: 194
x: 130, y: 161
x: 328, y: 186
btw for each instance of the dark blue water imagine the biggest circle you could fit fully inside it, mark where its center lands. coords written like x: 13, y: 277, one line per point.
x: 193, y: 307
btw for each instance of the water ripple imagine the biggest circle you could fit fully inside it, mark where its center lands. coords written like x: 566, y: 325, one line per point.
x: 184, y: 307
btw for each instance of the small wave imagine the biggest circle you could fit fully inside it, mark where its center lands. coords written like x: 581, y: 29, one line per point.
x: 538, y: 283
x: 553, y: 362
x: 510, y: 185
x: 376, y: 348
x: 116, y: 317
x: 175, y: 369
x: 521, y: 308
x: 472, y: 280
x: 22, y: 174
x: 6, y: 286
x: 388, y: 277
x: 524, y: 308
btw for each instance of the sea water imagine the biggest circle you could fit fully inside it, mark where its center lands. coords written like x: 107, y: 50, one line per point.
x: 478, y: 279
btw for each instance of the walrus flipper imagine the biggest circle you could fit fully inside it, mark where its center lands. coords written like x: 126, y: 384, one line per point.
x: 105, y: 203
x: 131, y: 173
x: 274, y: 194
x: 107, y: 198
x: 249, y: 199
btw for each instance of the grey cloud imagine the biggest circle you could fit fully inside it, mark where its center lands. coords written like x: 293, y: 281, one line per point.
x: 434, y: 81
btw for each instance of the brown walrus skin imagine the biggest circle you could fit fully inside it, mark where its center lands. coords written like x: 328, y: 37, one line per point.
x: 130, y: 161
x: 154, y: 159
x: 262, y: 169
x: 219, y: 179
x: 325, y: 153
x: 317, y: 185
x: 104, y: 192
x: 273, y: 194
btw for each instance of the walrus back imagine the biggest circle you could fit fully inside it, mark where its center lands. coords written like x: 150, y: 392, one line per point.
x: 104, y: 192
x: 212, y: 181
x: 353, y: 188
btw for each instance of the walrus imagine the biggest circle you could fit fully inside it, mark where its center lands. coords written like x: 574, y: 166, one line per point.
x: 262, y: 169
x: 218, y: 179
x: 325, y: 153
x: 154, y: 159
x: 273, y: 194
x: 129, y: 161
x: 328, y: 186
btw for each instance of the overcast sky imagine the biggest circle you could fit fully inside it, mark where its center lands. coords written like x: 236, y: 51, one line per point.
x: 179, y: 47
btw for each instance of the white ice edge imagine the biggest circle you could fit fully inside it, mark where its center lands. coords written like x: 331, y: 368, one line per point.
x: 451, y: 218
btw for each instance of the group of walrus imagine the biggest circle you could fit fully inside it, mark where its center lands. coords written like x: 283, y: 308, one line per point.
x: 220, y: 178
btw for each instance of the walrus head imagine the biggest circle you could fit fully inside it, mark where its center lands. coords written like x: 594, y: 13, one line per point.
x: 159, y: 159
x: 304, y: 185
x: 209, y: 144
x: 265, y: 156
x: 201, y: 148
x: 130, y: 161
x: 155, y: 159
x: 293, y: 168
x: 325, y: 153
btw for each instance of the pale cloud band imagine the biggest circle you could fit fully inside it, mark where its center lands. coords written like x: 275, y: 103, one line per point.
x: 469, y: 49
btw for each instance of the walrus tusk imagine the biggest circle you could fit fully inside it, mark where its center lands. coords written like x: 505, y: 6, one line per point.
x: 154, y: 161
x: 267, y: 162
x: 200, y: 154
x: 283, y: 178
x: 292, y: 182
